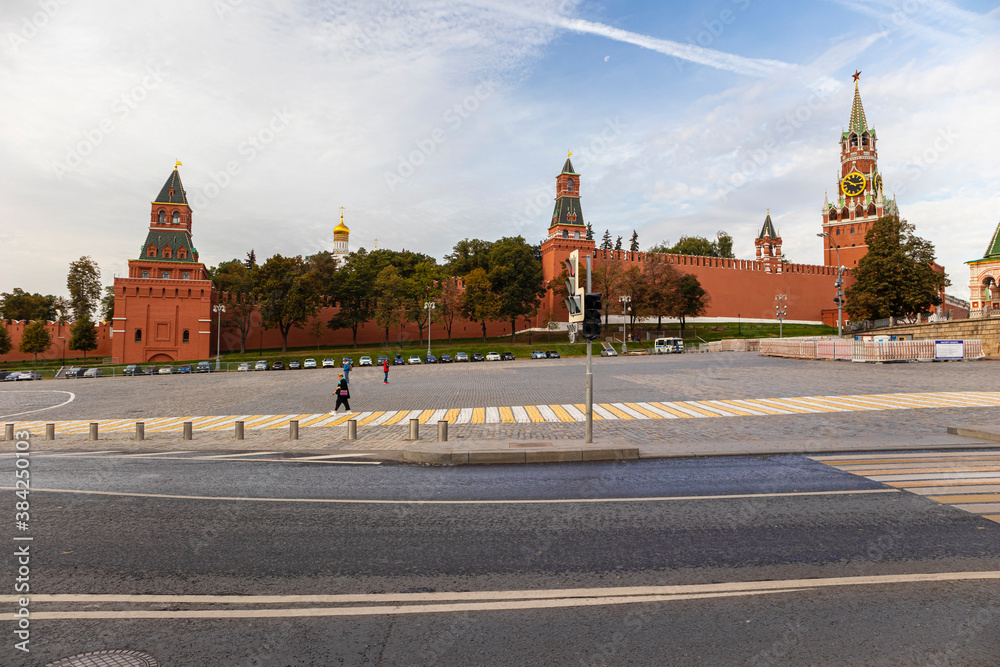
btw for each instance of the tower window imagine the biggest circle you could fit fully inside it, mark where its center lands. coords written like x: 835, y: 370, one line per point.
x: 852, y: 230
x: 854, y: 141
x: 576, y: 235
x: 565, y: 233
x: 162, y: 216
x: 145, y: 274
x: 151, y: 251
x: 838, y: 231
x: 187, y: 275
x: 570, y: 185
x: 181, y: 253
x: 138, y: 335
x: 165, y: 275
x: 186, y: 337
x: 166, y: 253
x: 177, y: 217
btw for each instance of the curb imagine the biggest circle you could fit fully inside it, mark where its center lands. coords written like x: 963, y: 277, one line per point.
x: 991, y: 433
x: 485, y: 457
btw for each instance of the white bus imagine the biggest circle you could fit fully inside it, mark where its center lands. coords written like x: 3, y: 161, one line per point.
x: 668, y: 346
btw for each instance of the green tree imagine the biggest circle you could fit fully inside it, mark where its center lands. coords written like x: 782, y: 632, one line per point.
x: 84, y: 284
x: 422, y: 286
x: 895, y: 278
x: 35, y: 339
x: 5, y: 342
x: 467, y: 255
x: 607, y: 279
x: 235, y: 284
x: 699, y: 246
x: 449, y: 304
x: 633, y: 245
x: 479, y: 304
x: 316, y: 330
x: 288, y: 294
x: 83, y: 337
x: 606, y: 240
x: 517, y: 280
x: 389, y: 291
x: 20, y: 305
x: 661, y: 285
x: 354, y: 293
x: 618, y: 244
x: 689, y: 299
x: 590, y: 232
x: 108, y: 304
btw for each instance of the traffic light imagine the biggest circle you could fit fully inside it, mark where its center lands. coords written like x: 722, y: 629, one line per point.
x: 574, y: 302
x: 592, y: 316
x: 837, y: 300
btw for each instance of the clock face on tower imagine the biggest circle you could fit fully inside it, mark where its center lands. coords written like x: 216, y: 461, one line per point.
x: 878, y: 183
x: 853, y: 184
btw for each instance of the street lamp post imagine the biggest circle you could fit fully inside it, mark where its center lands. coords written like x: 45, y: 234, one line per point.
x: 625, y: 299
x: 260, y: 344
x: 780, y: 311
x: 838, y: 284
x: 218, y: 308
x: 429, y: 305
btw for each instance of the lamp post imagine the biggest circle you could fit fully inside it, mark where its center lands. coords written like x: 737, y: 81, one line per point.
x: 63, y: 339
x: 625, y: 299
x: 260, y: 344
x: 218, y: 308
x: 780, y: 311
x: 838, y: 284
x: 429, y: 305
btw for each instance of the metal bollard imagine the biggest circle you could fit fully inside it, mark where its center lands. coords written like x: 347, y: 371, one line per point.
x: 352, y: 429
x: 8, y: 432
x: 293, y: 429
x: 443, y: 431
x: 239, y: 430
x: 414, y: 429
x: 140, y: 430
x: 93, y: 430
x: 50, y: 431
x: 188, y: 428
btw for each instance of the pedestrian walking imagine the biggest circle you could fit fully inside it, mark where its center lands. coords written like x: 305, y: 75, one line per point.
x: 343, y: 394
x: 347, y: 371
x: 385, y: 367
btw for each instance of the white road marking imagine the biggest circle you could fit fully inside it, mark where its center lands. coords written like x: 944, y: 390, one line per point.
x: 548, y: 501
x: 72, y: 397
x: 657, y: 411
x: 574, y: 412
x: 548, y: 414
x: 464, y: 416
x: 492, y: 416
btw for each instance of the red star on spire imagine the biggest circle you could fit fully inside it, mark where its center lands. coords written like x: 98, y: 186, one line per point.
x: 857, y: 75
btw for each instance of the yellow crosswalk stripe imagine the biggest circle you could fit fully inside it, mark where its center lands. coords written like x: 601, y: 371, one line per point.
x: 616, y: 412
x: 642, y: 410
x: 534, y: 414
x: 697, y: 408
x: 583, y: 408
x: 425, y: 416
x: 452, y: 415
x: 507, y: 415
x: 478, y: 416
x: 672, y: 410
x: 561, y: 413
x: 372, y: 417
x: 396, y: 418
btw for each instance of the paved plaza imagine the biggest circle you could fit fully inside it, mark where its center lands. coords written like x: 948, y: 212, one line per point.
x: 642, y: 400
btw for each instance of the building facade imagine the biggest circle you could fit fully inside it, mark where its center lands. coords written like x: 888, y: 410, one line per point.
x: 163, y: 309
x: 984, y: 280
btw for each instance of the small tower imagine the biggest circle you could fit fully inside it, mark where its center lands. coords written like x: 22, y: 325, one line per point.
x: 768, y: 245
x: 341, y: 234
x: 984, y: 280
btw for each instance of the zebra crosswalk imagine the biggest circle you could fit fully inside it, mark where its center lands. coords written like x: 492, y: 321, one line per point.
x: 549, y: 413
x: 968, y: 480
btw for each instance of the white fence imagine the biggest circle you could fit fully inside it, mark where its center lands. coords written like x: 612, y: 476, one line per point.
x: 862, y: 350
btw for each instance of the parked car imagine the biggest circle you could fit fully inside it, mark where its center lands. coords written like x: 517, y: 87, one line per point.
x: 507, y: 356
x: 165, y: 370
x: 149, y: 370
x: 261, y: 365
x: 382, y: 360
x: 29, y: 375
x: 309, y: 363
x: 244, y: 367
x: 476, y: 356
x: 365, y: 361
x: 493, y: 356
x: 398, y: 360
x: 295, y: 365
x: 3, y: 375
x: 348, y: 361
x: 413, y: 361
x: 75, y: 372
x: 132, y: 369
x: 461, y: 356
x: 93, y: 373
x: 444, y: 359
x: 204, y: 367
x: 185, y: 368
x: 552, y: 354
x: 609, y: 352
x: 329, y: 363
x: 12, y: 377
x: 431, y: 359
x: 278, y: 366
x: 538, y: 354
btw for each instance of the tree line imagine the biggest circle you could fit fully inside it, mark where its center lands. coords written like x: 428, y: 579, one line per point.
x: 502, y: 280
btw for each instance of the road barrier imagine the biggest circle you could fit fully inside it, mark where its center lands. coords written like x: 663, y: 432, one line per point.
x: 414, y: 429
x: 841, y: 350
x: 872, y: 351
x: 293, y: 429
x: 140, y: 430
x: 352, y: 429
x: 50, y: 431
x: 442, y: 431
x: 239, y: 430
x: 783, y: 347
x: 93, y: 430
x: 188, y: 430
x: 8, y: 432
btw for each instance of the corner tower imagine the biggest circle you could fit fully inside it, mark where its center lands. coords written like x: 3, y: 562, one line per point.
x: 163, y: 308
x: 341, y: 234
x: 859, y: 199
x: 984, y: 280
x: 768, y: 245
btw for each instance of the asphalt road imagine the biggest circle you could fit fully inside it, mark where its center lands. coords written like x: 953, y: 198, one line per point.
x: 448, y: 566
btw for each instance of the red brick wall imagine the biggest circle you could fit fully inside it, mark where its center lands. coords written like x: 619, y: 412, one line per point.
x: 60, y: 341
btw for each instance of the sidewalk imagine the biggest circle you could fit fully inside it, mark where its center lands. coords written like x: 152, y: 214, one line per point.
x: 465, y: 451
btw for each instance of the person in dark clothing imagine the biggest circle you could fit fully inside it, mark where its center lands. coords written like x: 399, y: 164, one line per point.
x: 343, y: 394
